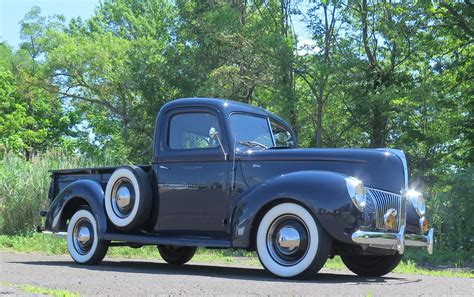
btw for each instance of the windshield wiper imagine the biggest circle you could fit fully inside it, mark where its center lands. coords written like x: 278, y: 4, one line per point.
x: 251, y: 143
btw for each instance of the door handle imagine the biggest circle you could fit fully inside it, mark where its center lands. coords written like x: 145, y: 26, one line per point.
x: 164, y: 167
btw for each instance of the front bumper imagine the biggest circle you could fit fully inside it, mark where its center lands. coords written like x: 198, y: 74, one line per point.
x: 397, y: 240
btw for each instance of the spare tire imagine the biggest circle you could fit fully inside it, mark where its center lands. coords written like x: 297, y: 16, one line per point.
x: 128, y: 198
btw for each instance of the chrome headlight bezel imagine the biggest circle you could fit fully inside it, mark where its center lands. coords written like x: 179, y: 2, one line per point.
x: 418, y: 202
x: 357, y: 192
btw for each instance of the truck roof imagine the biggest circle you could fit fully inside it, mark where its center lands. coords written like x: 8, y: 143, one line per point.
x: 224, y: 105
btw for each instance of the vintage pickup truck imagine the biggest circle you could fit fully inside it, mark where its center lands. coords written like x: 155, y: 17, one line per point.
x: 229, y: 175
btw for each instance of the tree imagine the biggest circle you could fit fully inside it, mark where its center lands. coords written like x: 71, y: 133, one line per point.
x: 33, y: 118
x: 114, y: 69
x: 317, y: 69
x: 240, y: 50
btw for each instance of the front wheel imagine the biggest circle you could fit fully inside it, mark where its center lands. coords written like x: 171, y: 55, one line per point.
x: 82, y: 242
x: 176, y: 255
x: 371, y: 265
x: 290, y: 242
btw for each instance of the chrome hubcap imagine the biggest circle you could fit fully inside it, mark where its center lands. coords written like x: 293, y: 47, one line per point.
x: 123, y: 198
x: 83, y: 236
x: 288, y: 240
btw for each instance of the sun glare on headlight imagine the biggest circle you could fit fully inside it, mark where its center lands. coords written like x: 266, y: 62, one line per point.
x: 356, y: 191
x: 417, y: 201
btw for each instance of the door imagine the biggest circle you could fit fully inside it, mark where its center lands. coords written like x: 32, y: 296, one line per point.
x: 192, y: 175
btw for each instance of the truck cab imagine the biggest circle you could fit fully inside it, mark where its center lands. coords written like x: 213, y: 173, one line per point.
x: 201, y: 172
x: 229, y: 175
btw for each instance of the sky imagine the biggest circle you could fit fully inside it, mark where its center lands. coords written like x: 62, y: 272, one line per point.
x: 12, y: 11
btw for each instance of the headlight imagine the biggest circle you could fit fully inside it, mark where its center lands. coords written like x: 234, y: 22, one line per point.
x: 417, y: 201
x: 356, y: 191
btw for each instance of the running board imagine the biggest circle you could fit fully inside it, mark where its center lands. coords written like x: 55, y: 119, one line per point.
x: 168, y: 240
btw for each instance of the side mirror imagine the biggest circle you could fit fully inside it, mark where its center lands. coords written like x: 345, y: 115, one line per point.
x: 213, y: 134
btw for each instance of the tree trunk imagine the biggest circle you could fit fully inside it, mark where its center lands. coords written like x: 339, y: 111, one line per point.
x: 379, y: 127
x: 319, y: 122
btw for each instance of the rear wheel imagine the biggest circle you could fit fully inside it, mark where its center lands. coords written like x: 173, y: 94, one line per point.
x: 371, y: 265
x: 176, y: 255
x: 83, y: 244
x: 290, y: 242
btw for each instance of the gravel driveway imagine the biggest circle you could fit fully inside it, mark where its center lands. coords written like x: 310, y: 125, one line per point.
x: 128, y: 277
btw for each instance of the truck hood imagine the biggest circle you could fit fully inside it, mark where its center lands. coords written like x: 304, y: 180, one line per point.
x: 377, y: 168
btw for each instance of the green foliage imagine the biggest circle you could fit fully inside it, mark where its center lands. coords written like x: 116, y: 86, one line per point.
x: 24, y: 187
x: 457, y: 202
x: 8, y: 124
x: 24, y: 190
x: 32, y: 117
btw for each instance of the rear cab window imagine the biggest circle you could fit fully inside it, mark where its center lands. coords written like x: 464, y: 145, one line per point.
x: 191, y: 131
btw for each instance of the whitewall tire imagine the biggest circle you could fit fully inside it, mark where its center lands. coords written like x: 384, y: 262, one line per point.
x: 128, y: 198
x: 83, y: 244
x: 290, y: 242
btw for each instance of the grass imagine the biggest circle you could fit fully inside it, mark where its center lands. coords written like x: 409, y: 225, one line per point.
x: 51, y: 245
x: 27, y: 288
x: 442, y: 258
x: 24, y: 187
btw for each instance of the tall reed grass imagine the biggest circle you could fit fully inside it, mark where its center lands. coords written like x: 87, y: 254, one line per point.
x: 24, y: 187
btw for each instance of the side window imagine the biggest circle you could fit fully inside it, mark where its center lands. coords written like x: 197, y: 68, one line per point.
x: 191, y: 131
x: 282, y: 136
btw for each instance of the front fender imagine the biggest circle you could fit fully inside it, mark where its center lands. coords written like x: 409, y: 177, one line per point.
x: 87, y: 190
x: 323, y: 193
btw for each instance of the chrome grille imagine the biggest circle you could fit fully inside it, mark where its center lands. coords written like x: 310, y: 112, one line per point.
x: 383, y: 201
x: 384, y: 246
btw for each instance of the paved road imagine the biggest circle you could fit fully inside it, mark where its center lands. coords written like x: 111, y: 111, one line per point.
x: 117, y: 276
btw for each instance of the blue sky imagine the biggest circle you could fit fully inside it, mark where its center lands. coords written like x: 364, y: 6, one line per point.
x: 12, y: 11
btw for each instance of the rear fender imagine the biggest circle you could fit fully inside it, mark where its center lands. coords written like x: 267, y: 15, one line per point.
x: 74, y: 195
x: 323, y: 193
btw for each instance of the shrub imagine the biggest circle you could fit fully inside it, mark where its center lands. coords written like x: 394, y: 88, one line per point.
x: 452, y: 214
x: 24, y: 188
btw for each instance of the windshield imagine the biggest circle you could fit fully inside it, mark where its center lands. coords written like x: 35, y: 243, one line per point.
x: 251, y: 131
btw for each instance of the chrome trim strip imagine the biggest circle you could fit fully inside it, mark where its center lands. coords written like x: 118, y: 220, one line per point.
x: 398, y: 240
x: 382, y: 191
x: 271, y: 131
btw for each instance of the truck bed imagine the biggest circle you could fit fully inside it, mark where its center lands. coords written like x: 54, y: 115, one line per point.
x: 62, y: 177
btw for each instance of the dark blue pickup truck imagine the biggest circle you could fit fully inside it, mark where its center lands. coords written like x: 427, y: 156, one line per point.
x: 230, y: 175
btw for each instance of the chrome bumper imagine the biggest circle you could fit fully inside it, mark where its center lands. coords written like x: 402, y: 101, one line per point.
x: 398, y: 240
